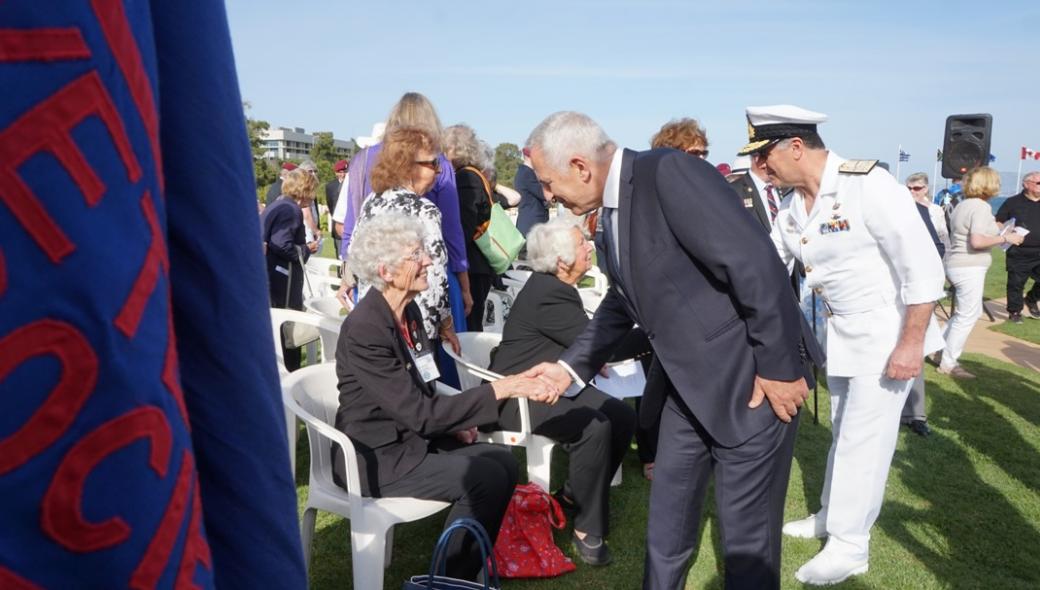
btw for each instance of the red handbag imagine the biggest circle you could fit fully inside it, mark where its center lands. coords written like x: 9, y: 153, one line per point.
x: 525, y: 546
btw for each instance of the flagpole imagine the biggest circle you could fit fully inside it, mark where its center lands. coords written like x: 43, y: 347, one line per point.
x: 1018, y: 179
x: 935, y: 179
x: 899, y: 162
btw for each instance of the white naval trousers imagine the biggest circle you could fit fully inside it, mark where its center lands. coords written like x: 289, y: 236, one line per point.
x: 968, y: 282
x: 865, y: 413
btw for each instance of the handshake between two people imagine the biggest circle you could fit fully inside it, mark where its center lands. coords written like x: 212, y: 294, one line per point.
x: 546, y: 381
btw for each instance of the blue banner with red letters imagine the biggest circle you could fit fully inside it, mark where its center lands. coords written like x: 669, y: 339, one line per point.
x: 142, y: 436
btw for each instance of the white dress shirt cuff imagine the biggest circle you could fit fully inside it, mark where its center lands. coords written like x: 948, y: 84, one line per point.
x: 578, y: 384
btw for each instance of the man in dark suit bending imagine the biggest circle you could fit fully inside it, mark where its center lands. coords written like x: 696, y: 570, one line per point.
x: 703, y: 280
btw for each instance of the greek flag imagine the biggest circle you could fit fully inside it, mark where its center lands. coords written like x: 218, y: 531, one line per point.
x: 903, y: 156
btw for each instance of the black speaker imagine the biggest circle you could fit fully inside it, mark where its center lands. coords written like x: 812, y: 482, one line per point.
x: 966, y: 143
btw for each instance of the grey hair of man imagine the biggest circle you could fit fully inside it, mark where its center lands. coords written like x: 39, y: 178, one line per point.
x: 380, y: 241
x: 917, y: 177
x: 462, y: 146
x: 550, y: 242
x: 1031, y: 176
x: 811, y: 141
x: 566, y: 134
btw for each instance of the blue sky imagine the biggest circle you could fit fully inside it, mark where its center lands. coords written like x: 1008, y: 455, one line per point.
x: 887, y: 73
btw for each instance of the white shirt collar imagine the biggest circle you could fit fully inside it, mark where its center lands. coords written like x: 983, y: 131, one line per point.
x: 612, y: 189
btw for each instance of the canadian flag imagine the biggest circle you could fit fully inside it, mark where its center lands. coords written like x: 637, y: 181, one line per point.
x: 1028, y: 153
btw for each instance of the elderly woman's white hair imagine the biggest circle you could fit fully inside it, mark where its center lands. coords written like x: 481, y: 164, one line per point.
x: 550, y: 242
x: 379, y: 241
x: 463, y: 148
x: 566, y: 134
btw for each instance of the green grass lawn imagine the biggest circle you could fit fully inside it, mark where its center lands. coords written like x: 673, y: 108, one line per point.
x: 962, y: 508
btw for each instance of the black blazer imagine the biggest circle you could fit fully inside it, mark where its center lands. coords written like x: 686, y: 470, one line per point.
x: 546, y: 317
x: 385, y: 407
x: 745, y: 187
x: 704, y: 281
x: 474, y: 211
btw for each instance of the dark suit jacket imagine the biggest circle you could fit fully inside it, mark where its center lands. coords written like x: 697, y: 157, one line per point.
x: 704, y: 281
x: 274, y: 191
x: 546, y: 317
x: 533, y: 208
x: 745, y: 187
x: 474, y: 210
x: 331, y: 196
x: 385, y: 407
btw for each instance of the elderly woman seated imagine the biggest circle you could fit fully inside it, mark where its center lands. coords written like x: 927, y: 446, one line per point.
x: 594, y: 428
x: 409, y: 441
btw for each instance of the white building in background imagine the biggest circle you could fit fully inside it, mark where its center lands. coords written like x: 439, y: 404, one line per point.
x: 283, y: 143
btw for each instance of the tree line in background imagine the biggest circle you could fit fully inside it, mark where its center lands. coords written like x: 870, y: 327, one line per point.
x: 507, y: 158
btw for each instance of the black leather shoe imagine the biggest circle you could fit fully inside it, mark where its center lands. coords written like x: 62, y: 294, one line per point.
x: 920, y: 427
x: 592, y: 550
x: 1034, y: 309
x: 1015, y: 318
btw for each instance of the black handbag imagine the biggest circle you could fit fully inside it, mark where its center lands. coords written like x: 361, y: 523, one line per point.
x: 436, y: 580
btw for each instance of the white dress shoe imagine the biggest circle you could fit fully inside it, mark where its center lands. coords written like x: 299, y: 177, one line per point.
x: 830, y: 567
x: 810, y: 527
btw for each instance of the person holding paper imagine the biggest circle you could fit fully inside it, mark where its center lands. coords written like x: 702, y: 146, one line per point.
x: 1023, y: 260
x: 973, y: 231
x: 594, y: 428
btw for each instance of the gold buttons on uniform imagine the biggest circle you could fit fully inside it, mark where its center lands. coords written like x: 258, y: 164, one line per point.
x: 818, y: 290
x: 805, y: 240
x: 808, y: 269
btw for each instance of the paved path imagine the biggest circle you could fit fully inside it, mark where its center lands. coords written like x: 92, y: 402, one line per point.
x: 998, y: 345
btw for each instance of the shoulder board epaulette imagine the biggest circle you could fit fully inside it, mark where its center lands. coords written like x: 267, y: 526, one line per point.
x: 857, y: 166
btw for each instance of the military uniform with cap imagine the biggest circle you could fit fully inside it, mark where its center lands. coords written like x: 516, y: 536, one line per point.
x: 868, y: 256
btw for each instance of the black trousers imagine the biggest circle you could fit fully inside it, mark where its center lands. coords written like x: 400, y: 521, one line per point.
x: 750, y: 487
x: 478, y: 479
x: 1020, y: 270
x: 479, y: 286
x: 595, y: 430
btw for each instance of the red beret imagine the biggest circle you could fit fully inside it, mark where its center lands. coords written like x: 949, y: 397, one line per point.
x: 724, y: 168
x: 289, y: 166
x: 340, y: 166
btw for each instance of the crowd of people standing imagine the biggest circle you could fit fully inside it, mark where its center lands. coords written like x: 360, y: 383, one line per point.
x: 731, y: 353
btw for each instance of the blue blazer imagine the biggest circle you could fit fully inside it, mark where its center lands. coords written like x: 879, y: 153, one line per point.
x: 699, y: 275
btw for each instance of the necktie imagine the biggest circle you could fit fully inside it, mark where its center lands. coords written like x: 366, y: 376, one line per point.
x: 608, y: 241
x: 771, y: 200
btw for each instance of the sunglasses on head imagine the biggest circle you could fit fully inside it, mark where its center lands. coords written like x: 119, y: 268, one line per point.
x: 434, y: 164
x: 698, y: 153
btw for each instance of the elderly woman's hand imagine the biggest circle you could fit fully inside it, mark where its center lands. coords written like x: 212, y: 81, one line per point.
x: 539, y: 390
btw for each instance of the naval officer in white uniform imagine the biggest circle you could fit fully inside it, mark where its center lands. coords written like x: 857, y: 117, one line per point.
x: 871, y: 260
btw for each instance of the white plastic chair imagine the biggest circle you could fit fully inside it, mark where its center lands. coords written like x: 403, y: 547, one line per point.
x: 328, y: 335
x: 322, y: 266
x: 328, y: 307
x: 310, y: 394
x: 472, y: 368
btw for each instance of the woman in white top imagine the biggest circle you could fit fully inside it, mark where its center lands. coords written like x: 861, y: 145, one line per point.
x: 973, y: 231
x: 917, y: 184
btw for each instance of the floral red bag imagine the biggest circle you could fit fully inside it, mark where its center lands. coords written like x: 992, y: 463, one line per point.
x: 525, y: 546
